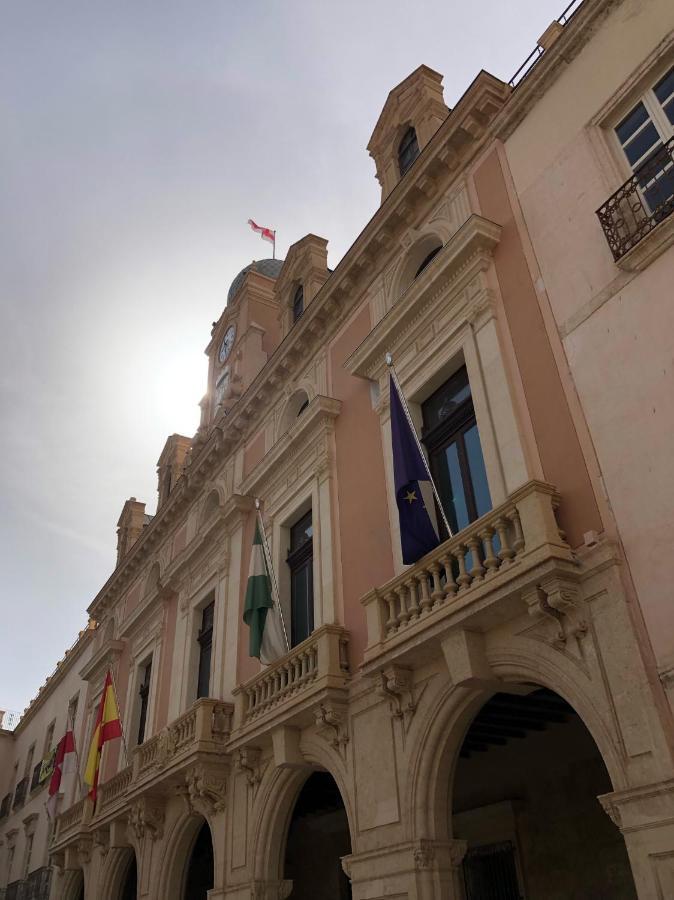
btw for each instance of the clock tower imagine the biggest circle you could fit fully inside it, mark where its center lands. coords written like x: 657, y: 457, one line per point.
x: 244, y: 337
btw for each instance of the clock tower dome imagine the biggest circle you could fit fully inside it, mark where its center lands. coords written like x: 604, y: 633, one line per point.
x: 244, y: 337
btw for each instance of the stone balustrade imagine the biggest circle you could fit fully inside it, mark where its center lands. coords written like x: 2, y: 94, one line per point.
x: 483, y: 555
x: 319, y: 662
x: 200, y: 733
x: 114, y: 789
x: 72, y: 819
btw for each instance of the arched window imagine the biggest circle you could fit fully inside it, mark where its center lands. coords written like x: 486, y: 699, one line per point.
x: 408, y: 150
x: 434, y: 252
x: 298, y: 303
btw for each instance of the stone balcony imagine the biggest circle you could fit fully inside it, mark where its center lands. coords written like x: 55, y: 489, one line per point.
x: 307, y: 686
x: 509, y: 561
x: 189, y: 754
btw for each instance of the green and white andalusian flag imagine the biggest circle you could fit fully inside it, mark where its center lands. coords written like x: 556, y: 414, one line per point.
x: 260, y: 613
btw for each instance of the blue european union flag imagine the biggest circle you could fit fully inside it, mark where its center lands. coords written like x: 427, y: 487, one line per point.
x: 418, y: 535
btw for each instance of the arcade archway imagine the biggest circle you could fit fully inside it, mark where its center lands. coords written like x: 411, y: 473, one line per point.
x: 318, y: 837
x: 199, y: 871
x: 524, y: 797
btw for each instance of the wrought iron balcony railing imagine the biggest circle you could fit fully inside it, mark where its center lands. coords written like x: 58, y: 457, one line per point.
x: 644, y: 201
x: 20, y: 793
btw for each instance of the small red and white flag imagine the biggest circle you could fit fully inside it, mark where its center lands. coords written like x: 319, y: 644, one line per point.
x: 65, y: 761
x: 267, y: 234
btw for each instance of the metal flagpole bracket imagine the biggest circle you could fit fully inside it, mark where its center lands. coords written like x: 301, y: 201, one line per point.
x: 410, y: 422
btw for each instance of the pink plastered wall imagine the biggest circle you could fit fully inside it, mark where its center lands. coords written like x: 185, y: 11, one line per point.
x: 365, y: 539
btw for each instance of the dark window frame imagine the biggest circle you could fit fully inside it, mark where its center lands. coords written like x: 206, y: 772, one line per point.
x: 205, y: 641
x: 298, y: 303
x: 452, y: 430
x: 300, y: 560
x: 144, y: 695
x: 408, y: 150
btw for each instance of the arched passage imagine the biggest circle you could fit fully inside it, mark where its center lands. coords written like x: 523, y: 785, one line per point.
x: 318, y: 836
x: 524, y: 797
x: 129, y: 889
x: 199, y: 870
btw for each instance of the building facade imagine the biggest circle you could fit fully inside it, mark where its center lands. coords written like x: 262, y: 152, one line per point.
x: 493, y: 720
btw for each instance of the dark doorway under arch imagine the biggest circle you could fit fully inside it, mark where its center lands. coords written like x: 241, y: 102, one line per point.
x: 130, y: 886
x: 199, y: 877
x: 525, y: 799
x: 318, y: 836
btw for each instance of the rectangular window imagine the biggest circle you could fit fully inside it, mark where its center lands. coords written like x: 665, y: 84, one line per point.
x: 452, y: 440
x: 645, y: 137
x: 144, y: 693
x: 49, y: 739
x: 29, y: 760
x: 72, y: 713
x: 205, y: 640
x: 301, y: 564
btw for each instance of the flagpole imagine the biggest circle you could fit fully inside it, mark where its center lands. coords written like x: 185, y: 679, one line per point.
x: 77, y: 756
x: 121, y: 724
x: 272, y: 574
x: 394, y: 374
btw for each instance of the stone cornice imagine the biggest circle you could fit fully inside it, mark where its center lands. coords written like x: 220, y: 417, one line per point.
x: 109, y: 652
x: 63, y: 667
x: 466, y: 253
x: 303, y: 433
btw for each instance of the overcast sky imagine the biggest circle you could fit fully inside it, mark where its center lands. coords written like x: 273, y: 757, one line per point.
x: 137, y: 139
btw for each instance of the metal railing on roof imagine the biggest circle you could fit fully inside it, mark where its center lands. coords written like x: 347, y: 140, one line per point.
x: 9, y: 719
x: 538, y: 51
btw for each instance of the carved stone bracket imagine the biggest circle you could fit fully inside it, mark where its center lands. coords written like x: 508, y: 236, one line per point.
x: 101, y: 840
x: 558, y: 601
x: 83, y: 849
x: 396, y: 684
x: 147, y: 816
x: 248, y: 761
x: 331, y: 722
x: 206, y: 789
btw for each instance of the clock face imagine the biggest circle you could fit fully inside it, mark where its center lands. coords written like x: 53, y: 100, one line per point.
x: 227, y: 344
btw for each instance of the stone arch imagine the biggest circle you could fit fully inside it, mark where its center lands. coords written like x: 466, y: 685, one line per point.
x: 118, y: 863
x: 446, y: 723
x: 294, y: 405
x: 73, y: 884
x: 153, y: 581
x: 277, y: 796
x: 177, y: 852
x: 426, y: 241
x: 211, y: 505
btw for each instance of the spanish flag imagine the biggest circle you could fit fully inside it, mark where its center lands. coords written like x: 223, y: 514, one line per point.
x: 107, y: 727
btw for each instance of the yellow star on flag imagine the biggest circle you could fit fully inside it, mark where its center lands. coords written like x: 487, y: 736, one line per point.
x: 411, y: 496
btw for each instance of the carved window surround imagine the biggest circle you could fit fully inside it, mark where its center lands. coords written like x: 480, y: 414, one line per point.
x: 296, y: 472
x: 447, y: 318
x: 460, y: 263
